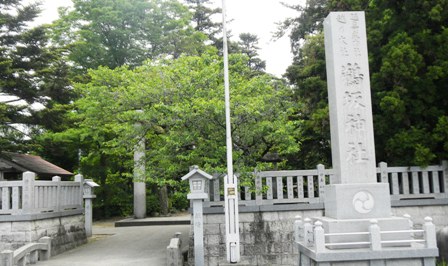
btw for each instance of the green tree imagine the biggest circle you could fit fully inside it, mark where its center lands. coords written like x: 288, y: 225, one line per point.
x: 408, y: 78
x: 31, y: 74
x: 203, y: 19
x: 114, y: 33
x: 182, y: 116
x: 249, y: 46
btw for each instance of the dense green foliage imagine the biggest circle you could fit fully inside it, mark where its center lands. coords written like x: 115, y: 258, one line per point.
x: 107, y: 66
x: 31, y: 74
x: 179, y: 104
x: 409, y: 77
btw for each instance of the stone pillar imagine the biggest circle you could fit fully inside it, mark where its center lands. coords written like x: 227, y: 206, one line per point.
x: 352, y: 143
x: 88, y: 211
x: 139, y: 179
x: 45, y: 254
x: 198, y: 225
x: 174, y: 252
x: 28, y: 192
x: 80, y: 179
x: 356, y: 193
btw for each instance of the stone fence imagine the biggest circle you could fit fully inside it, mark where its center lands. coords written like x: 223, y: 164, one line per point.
x: 373, y: 246
x: 267, y: 210
x: 306, y: 186
x: 31, y: 209
x: 29, y: 196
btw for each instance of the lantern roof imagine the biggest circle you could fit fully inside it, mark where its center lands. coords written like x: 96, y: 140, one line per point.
x: 196, y: 171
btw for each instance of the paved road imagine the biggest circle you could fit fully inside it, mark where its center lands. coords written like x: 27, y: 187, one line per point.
x: 122, y: 246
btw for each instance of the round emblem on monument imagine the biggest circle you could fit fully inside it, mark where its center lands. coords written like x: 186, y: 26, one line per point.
x: 363, y: 202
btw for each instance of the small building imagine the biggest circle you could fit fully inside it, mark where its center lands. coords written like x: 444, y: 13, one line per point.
x: 12, y: 165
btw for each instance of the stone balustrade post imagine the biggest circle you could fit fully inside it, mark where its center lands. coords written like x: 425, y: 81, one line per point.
x: 45, y: 254
x: 445, y: 176
x: 34, y: 256
x: 298, y: 226
x: 383, y: 172
x: 375, y: 235
x: 28, y: 192
x: 258, y: 189
x: 7, y: 258
x: 319, y: 237
x: 79, y: 178
x: 57, y: 200
x: 174, y: 252
x: 321, y: 181
x: 430, y: 233
x: 411, y: 223
x: 308, y: 234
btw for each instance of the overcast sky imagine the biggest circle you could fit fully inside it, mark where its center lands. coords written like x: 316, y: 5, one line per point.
x: 253, y: 16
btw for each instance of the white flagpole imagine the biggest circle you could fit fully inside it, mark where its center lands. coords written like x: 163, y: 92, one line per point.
x: 230, y: 187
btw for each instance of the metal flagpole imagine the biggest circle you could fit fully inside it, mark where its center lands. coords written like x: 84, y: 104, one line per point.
x: 230, y: 184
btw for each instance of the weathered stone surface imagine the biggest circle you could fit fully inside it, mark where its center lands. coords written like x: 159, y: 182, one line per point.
x: 5, y: 227
x: 66, y: 233
x: 246, y: 217
x: 21, y: 226
x: 212, y: 229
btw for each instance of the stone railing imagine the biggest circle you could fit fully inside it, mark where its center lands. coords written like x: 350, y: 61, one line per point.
x: 28, y: 254
x: 415, y: 182
x: 306, y: 186
x: 314, y: 241
x: 30, y: 196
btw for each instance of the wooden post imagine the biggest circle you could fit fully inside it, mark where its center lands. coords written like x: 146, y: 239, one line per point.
x: 28, y: 192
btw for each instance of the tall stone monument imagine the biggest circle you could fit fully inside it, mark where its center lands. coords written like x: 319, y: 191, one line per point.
x: 352, y: 141
x: 358, y: 225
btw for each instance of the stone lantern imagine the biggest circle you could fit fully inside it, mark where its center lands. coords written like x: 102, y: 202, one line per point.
x: 198, y: 180
x: 89, y: 187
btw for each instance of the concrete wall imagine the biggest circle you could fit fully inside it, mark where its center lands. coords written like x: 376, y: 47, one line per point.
x: 266, y: 237
x: 67, y: 232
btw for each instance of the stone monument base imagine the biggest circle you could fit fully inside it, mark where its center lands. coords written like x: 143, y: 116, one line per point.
x: 357, y: 201
x: 416, y: 255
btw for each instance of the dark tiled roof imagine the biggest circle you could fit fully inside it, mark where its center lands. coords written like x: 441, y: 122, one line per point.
x: 32, y: 163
